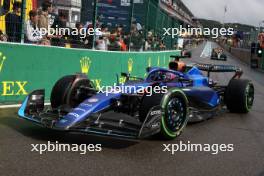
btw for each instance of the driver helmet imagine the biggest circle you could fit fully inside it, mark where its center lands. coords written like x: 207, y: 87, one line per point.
x: 177, y: 65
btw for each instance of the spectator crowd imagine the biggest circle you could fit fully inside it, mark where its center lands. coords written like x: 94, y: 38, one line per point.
x: 115, y: 39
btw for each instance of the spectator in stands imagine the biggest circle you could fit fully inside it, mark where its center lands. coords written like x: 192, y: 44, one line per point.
x: 52, y: 15
x: 89, y: 38
x: 162, y: 45
x: 33, y: 34
x: 77, y: 41
x: 44, y: 21
x: 3, y: 37
x: 126, y: 39
x: 61, y: 23
x: 136, y: 39
x: 155, y: 43
x: 114, y: 44
x: 123, y: 45
x: 148, y: 42
x: 13, y: 23
x: 176, y: 46
x: 147, y: 46
x: 119, y: 30
x: 45, y: 42
x: 121, y: 40
x: 118, y: 41
x: 102, y: 40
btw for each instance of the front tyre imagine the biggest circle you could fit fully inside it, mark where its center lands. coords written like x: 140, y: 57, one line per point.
x: 67, y: 91
x: 174, y: 114
x: 239, y: 96
x: 174, y: 107
x: 59, y: 91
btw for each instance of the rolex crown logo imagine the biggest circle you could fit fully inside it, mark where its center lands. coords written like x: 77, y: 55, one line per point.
x: 2, y: 60
x: 149, y: 62
x: 85, y: 64
x: 130, y: 65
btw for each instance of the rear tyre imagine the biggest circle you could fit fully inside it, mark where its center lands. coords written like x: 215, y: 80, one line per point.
x: 224, y: 57
x: 239, y: 96
x: 174, y: 107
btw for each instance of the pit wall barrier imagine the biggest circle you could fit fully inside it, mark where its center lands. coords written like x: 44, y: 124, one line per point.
x: 244, y: 55
x: 24, y: 68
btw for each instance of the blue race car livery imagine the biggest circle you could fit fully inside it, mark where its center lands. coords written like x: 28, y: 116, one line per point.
x: 189, y: 96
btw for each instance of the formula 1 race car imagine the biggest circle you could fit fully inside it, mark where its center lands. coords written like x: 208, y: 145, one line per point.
x: 162, y: 103
x: 218, y: 54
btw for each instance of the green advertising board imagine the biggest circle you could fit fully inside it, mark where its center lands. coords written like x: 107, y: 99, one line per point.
x: 24, y: 68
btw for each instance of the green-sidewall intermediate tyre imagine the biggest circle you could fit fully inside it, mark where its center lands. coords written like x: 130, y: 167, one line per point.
x: 174, y: 114
x: 239, y: 96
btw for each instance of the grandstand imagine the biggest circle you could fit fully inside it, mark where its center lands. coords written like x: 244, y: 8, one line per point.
x: 150, y: 16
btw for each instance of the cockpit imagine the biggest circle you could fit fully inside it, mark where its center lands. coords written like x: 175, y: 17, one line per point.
x: 161, y: 76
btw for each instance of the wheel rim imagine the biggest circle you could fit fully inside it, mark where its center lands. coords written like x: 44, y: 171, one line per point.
x: 175, y: 114
x: 75, y: 95
x: 249, y: 96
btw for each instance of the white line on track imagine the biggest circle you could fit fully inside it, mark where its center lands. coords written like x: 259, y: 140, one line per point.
x: 207, y: 51
x: 15, y: 106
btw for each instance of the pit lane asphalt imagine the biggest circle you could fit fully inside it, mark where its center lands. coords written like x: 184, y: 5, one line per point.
x: 119, y: 157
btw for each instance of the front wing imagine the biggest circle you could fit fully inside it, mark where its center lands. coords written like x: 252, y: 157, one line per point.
x: 100, y: 123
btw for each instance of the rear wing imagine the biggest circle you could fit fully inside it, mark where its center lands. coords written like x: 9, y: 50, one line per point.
x: 220, y: 68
